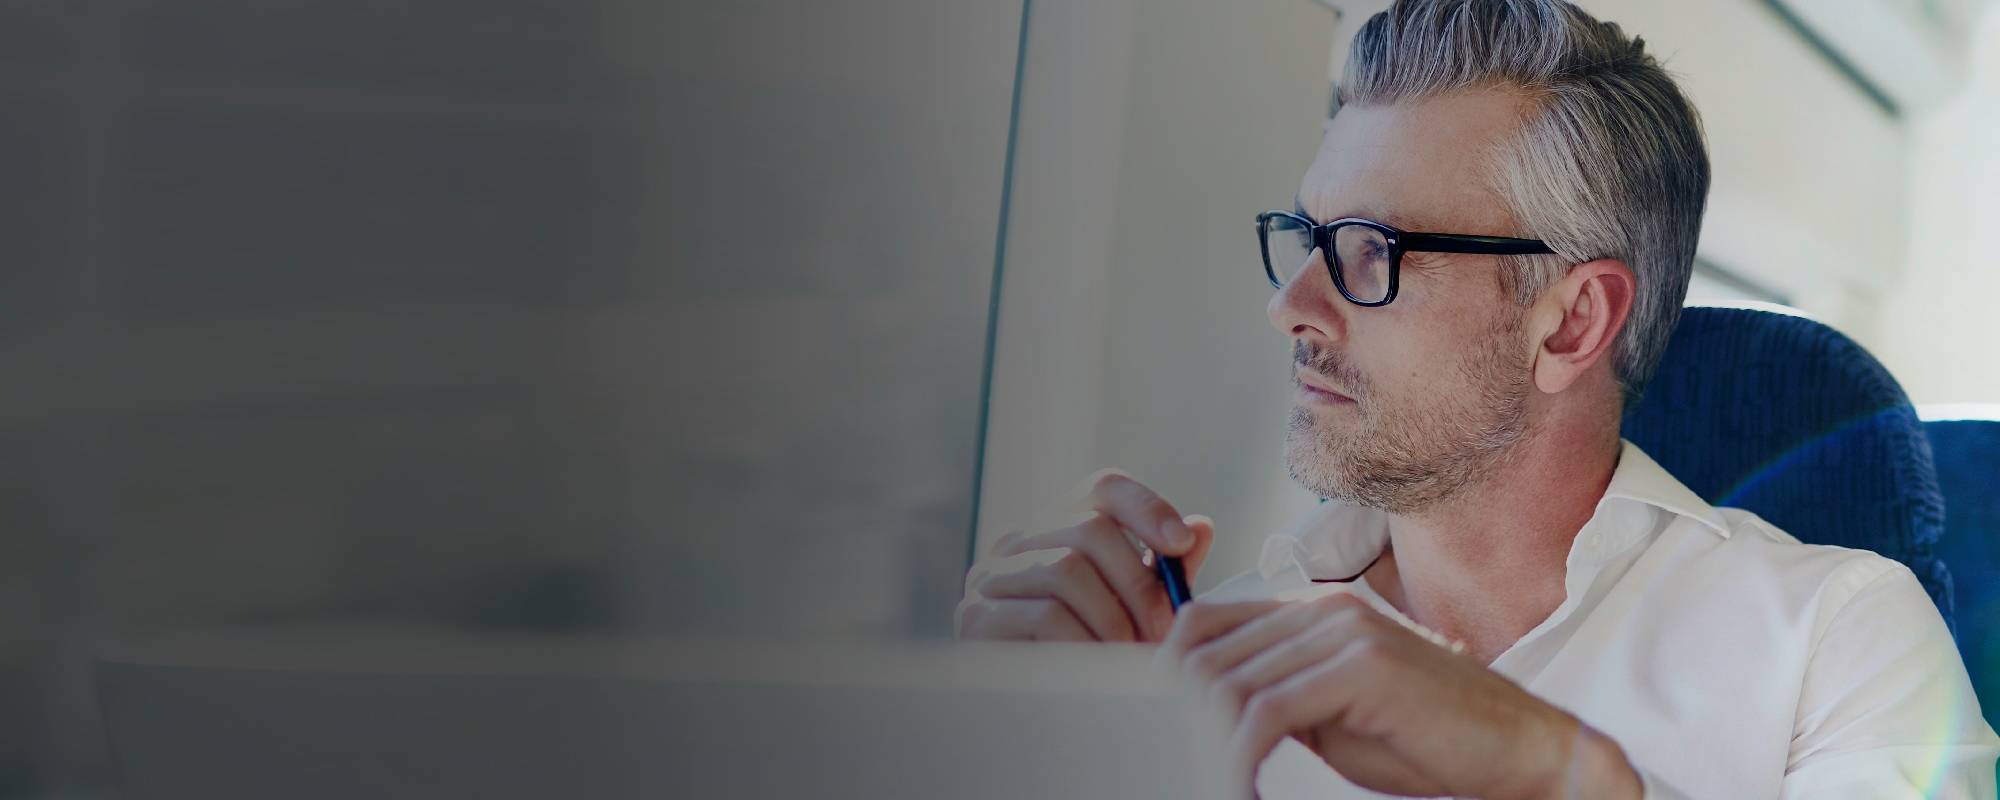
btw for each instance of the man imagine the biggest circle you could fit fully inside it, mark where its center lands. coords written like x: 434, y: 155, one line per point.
x: 1503, y: 599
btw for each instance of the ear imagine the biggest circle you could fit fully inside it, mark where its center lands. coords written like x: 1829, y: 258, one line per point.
x: 1580, y: 318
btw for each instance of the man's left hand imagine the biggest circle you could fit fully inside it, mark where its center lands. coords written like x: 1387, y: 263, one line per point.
x: 1385, y: 707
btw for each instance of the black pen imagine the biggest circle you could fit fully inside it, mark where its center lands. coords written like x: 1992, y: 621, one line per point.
x: 1175, y: 579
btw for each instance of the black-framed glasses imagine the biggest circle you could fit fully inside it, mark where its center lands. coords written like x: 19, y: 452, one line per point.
x: 1364, y: 257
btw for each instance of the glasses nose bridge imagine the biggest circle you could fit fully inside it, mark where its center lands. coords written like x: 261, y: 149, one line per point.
x: 1323, y: 247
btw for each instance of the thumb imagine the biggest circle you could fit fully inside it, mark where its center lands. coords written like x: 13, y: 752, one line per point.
x: 1204, y: 536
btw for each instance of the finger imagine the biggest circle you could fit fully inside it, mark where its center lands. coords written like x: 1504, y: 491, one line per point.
x: 996, y: 563
x: 1075, y: 581
x: 973, y: 603
x: 1011, y: 619
x: 1217, y: 662
x: 1199, y: 622
x: 1338, y: 620
x: 1204, y: 537
x: 1022, y: 540
x: 987, y: 620
x: 1200, y: 525
x: 1138, y: 588
x: 1008, y: 543
x: 1142, y: 511
x: 1319, y: 695
x: 1212, y: 658
x: 1234, y: 687
x: 1069, y: 535
x: 1059, y: 624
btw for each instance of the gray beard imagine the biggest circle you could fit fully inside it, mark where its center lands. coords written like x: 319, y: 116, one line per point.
x: 1410, y: 460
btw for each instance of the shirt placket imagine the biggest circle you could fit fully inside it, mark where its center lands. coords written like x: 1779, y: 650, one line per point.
x: 1603, y: 537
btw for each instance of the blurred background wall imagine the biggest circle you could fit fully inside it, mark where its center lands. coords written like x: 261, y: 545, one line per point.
x: 1939, y: 332
x: 551, y: 316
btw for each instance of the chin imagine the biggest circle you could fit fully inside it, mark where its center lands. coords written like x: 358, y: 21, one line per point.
x: 1311, y: 462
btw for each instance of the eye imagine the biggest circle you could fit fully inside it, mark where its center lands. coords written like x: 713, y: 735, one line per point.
x: 1367, y: 250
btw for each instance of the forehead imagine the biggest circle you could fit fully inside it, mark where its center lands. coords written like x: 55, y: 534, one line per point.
x: 1421, y: 165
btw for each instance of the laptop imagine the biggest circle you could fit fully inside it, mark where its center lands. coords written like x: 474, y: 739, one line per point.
x: 447, y: 716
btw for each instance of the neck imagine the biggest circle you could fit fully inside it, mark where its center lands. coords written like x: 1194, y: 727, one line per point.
x: 1488, y: 565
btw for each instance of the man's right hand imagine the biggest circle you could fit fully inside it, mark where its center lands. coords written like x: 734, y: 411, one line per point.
x: 1086, y: 582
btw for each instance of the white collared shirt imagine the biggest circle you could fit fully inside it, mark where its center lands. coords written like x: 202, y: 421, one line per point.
x: 1726, y: 658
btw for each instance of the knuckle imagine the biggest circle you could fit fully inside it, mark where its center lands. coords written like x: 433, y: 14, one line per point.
x: 1107, y: 479
x: 1142, y: 583
x: 1038, y: 580
x: 1072, y: 568
x: 1230, y: 691
x: 1205, y: 662
x: 1262, y: 709
x: 1047, y: 615
x: 1100, y: 529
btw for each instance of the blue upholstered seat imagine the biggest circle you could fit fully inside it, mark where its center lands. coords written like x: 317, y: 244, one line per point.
x: 1787, y: 418
x: 1966, y: 444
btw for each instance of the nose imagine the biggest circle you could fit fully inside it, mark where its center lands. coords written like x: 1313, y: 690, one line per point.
x: 1308, y: 307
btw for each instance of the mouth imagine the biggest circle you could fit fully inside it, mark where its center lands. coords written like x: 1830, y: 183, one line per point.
x: 1313, y: 389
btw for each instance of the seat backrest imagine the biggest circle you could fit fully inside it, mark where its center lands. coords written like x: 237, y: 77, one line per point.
x: 1787, y: 418
x: 1966, y: 445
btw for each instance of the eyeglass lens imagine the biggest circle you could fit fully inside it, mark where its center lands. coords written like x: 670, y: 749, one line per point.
x: 1361, y: 253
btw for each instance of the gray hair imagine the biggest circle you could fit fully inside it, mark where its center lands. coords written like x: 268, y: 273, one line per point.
x: 1611, y: 163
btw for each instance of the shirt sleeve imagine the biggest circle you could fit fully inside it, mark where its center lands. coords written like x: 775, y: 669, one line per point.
x: 1886, y: 709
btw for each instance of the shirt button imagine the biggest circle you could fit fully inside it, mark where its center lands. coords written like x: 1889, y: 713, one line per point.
x: 1591, y: 541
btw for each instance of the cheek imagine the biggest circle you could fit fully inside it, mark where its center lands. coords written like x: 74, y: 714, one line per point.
x: 1394, y: 352
x: 1424, y: 351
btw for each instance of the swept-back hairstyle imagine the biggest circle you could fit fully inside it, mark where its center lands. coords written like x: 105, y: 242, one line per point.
x: 1610, y: 162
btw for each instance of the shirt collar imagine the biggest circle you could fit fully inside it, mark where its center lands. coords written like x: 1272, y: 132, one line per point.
x: 1337, y: 541
x: 1641, y: 479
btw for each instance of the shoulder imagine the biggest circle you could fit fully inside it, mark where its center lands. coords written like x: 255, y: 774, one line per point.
x: 1755, y: 561
x: 1754, y: 544
x: 1842, y: 647
x: 1729, y: 551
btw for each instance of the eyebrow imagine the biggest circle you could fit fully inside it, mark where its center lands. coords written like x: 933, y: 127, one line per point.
x: 1396, y: 221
